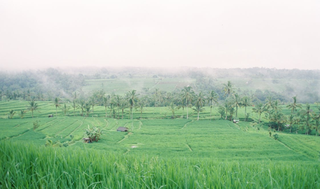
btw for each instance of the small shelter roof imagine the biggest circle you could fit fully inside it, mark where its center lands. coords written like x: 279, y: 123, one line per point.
x: 123, y: 129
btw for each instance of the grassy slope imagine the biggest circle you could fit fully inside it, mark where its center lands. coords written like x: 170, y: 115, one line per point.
x: 156, y: 152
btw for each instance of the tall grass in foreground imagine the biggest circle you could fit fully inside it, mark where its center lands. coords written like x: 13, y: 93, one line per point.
x: 28, y: 166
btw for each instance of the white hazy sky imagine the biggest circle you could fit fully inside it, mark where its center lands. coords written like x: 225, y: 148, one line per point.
x: 197, y: 33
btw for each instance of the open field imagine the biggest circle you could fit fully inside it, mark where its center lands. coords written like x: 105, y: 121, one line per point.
x: 156, y: 152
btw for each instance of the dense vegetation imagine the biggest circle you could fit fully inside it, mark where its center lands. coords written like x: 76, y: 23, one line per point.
x: 259, y: 82
x: 32, y: 167
x: 195, y: 132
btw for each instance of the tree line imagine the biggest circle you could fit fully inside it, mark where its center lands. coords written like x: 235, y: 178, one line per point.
x: 301, y: 117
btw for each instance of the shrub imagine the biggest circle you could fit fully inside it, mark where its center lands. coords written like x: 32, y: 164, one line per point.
x: 93, y: 133
x: 36, y: 124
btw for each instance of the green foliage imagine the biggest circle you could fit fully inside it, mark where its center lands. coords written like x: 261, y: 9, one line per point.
x: 36, y: 125
x: 93, y: 134
x: 28, y: 165
x: 11, y: 114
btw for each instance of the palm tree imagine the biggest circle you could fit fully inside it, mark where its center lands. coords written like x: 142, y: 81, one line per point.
x: 307, y: 112
x: 141, y: 104
x: 123, y: 105
x: 221, y: 111
x: 117, y: 101
x: 293, y: 107
x: 11, y: 114
x: 291, y: 120
x: 199, y: 104
x: 56, y: 103
x: 93, y: 102
x: 237, y: 103
x: 87, y: 108
x: 187, y: 94
x: 22, y: 112
x: 228, y: 88
x: 278, y: 118
x: 245, y: 103
x: 213, y: 98
x: 105, y: 103
x: 32, y: 106
x: 65, y: 109
x: 173, y: 108
x: 259, y: 109
x: 74, y: 105
x: 317, y: 119
x: 132, y: 98
x: 82, y: 104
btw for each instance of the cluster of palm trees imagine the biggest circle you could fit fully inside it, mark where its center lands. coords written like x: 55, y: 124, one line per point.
x: 233, y: 102
x: 301, y: 117
x: 115, y: 105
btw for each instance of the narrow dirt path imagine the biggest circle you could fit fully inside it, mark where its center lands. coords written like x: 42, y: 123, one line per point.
x: 185, y: 125
x: 125, y: 137
x: 189, y: 147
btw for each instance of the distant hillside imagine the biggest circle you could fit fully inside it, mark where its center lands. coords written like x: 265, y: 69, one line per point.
x: 258, y: 82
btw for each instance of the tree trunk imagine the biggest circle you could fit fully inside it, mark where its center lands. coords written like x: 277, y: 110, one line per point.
x: 187, y: 111
x: 237, y: 111
x: 245, y: 112
x: 105, y: 109
x: 198, y: 115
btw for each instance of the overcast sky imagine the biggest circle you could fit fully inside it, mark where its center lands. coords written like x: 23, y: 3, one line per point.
x: 218, y: 34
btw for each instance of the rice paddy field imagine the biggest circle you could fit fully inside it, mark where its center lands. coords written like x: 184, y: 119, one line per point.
x: 157, y: 152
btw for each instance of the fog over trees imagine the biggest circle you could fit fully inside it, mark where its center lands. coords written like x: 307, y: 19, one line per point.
x: 256, y: 82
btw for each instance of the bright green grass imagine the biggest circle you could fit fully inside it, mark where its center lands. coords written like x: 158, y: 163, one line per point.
x: 29, y: 166
x: 156, y: 152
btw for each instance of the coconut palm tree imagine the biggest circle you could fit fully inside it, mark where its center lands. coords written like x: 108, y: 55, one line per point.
x: 317, y: 124
x: 291, y: 120
x: 245, y: 103
x: 65, y: 109
x: 74, y: 105
x: 11, y: 114
x: 237, y: 103
x: 308, y: 113
x: 269, y: 103
x: 22, y: 112
x: 228, y: 88
x: 132, y: 99
x: 173, y: 108
x: 213, y: 98
x: 187, y: 94
x: 93, y: 102
x: 141, y: 104
x: 123, y: 105
x: 82, y: 105
x: 200, y: 100
x: 105, y: 103
x: 32, y: 107
x: 259, y: 109
x: 56, y: 103
x: 293, y: 107
x: 87, y: 108
x: 278, y: 118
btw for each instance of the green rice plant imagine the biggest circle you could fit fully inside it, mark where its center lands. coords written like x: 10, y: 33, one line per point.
x: 30, y: 166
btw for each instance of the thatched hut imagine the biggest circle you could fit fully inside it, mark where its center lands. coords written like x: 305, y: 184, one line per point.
x: 123, y: 129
